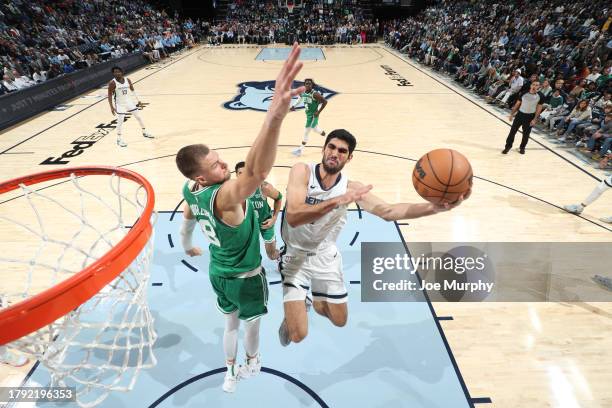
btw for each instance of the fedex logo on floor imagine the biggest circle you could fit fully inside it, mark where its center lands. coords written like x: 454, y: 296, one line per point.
x: 79, y: 145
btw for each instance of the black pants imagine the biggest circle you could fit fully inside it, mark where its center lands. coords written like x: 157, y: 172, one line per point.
x: 524, y: 120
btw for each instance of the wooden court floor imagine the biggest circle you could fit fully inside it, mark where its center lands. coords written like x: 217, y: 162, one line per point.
x: 517, y: 354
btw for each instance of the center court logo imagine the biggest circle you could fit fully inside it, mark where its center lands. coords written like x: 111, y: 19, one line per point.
x: 257, y: 95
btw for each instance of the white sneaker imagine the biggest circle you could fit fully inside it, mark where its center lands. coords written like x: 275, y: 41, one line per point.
x: 606, y: 219
x: 283, y: 334
x: 251, y: 367
x: 573, y: 208
x: 148, y: 135
x: 14, y: 359
x: 231, y: 378
x: 121, y: 143
x: 297, y: 152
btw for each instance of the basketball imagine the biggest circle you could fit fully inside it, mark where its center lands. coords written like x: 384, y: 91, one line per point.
x: 442, y: 175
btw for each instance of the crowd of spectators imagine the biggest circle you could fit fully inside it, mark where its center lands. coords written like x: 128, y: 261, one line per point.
x: 311, y: 22
x: 497, y: 50
x: 43, y: 39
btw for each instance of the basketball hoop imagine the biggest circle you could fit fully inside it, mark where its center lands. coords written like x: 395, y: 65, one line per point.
x: 80, y: 306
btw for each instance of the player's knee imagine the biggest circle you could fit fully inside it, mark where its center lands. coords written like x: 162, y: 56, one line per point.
x: 339, y: 320
x: 298, y: 334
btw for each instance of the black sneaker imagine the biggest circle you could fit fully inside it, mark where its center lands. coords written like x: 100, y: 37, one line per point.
x: 506, y: 150
x: 522, y: 151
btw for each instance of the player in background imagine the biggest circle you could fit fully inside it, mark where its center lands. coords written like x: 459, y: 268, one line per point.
x: 267, y: 217
x: 121, y: 96
x: 605, y: 185
x: 314, y: 103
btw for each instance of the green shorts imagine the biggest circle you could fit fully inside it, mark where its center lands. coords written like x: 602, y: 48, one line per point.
x: 312, y: 121
x: 247, y: 295
x: 267, y: 234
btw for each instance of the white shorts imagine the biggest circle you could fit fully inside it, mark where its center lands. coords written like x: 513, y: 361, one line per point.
x: 125, y: 108
x: 320, y: 272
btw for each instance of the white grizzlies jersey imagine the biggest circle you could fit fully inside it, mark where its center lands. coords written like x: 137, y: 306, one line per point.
x: 325, y: 230
x: 123, y: 97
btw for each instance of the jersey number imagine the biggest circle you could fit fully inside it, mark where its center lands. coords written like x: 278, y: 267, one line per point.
x: 124, y: 91
x: 208, y: 229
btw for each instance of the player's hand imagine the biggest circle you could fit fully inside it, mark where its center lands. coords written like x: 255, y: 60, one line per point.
x: 195, y: 251
x: 316, y: 114
x: 269, y: 223
x: 283, y: 94
x: 353, y: 195
x: 511, y: 117
x: 446, y: 206
x: 532, y: 123
x: 113, y: 112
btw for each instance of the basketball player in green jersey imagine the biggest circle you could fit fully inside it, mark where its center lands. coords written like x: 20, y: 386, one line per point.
x: 227, y: 218
x: 314, y: 103
x: 267, y: 218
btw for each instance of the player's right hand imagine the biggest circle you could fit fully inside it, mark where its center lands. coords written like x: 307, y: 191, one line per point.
x: 113, y: 111
x: 353, y: 195
x: 283, y: 94
x: 195, y: 251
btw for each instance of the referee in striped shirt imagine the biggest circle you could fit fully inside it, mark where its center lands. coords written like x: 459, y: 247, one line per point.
x: 529, y: 107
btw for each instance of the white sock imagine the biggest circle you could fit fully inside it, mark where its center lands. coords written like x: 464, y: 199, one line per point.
x: 251, y: 338
x: 305, y: 138
x: 230, y: 336
x: 596, y: 193
x: 120, y: 119
x: 319, y: 131
x: 139, y: 119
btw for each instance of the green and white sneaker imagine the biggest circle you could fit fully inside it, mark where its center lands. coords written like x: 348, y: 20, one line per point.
x: 231, y: 378
x: 251, y: 367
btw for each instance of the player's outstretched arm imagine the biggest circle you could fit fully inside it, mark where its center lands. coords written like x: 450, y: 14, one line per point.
x: 261, y: 156
x: 400, y: 211
x: 299, y: 212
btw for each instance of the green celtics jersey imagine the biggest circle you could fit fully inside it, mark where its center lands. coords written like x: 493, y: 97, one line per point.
x: 233, y: 250
x: 310, y: 103
x: 260, y: 203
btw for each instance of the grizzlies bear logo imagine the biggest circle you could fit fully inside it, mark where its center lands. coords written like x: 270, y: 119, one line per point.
x: 257, y: 95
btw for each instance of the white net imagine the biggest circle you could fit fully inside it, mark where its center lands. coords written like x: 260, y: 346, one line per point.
x: 57, y: 230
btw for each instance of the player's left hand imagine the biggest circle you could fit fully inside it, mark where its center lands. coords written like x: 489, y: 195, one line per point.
x: 195, y: 251
x: 532, y: 123
x: 316, y: 114
x: 269, y: 223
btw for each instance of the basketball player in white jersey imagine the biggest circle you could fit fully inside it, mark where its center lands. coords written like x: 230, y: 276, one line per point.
x: 317, y: 199
x: 121, y: 96
x: 606, y: 184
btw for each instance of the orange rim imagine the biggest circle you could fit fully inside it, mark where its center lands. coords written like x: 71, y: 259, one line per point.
x: 46, y: 307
